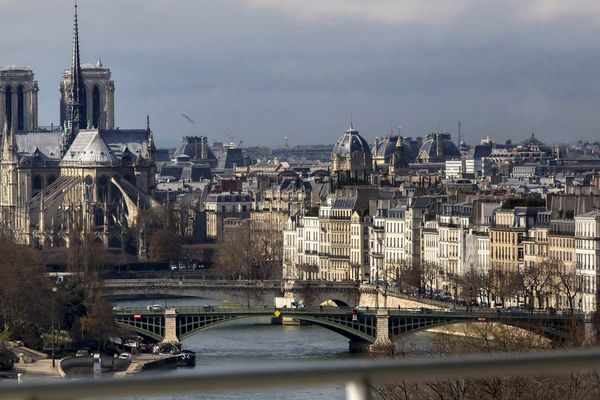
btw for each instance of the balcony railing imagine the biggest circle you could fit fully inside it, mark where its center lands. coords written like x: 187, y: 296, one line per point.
x: 356, y: 376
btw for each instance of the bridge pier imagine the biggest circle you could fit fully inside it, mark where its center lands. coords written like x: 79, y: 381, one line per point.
x: 171, y: 326
x: 382, y: 344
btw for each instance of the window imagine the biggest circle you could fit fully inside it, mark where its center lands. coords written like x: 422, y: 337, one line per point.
x: 20, y: 108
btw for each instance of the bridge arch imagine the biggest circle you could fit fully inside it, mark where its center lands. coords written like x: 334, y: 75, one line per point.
x: 337, y: 302
x: 359, y: 331
x: 555, y: 330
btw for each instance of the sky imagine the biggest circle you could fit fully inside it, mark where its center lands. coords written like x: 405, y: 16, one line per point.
x: 260, y: 70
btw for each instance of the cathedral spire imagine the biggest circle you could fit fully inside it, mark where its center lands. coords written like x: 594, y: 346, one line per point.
x: 74, y: 105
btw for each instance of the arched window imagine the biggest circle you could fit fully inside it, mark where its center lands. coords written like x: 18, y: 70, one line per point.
x: 8, y: 106
x: 37, y: 182
x: 51, y: 179
x: 96, y: 107
x: 83, y: 118
x: 99, y: 217
x: 20, y: 108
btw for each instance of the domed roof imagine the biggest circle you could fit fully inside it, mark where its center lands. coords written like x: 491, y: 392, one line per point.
x: 437, y: 148
x: 387, y: 146
x: 350, y: 143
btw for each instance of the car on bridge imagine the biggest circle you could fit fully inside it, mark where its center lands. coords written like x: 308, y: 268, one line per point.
x: 296, y: 304
x: 155, y: 307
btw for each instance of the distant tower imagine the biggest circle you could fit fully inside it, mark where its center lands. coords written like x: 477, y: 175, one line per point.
x: 94, y: 88
x: 459, y: 133
x: 18, y: 99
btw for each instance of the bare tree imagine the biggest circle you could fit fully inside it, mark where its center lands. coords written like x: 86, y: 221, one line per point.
x: 429, y: 275
x: 567, y: 282
x: 165, y: 245
x: 537, y: 281
x: 250, y: 252
x: 493, y: 338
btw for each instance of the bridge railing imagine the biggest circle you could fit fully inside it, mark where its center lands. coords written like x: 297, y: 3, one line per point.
x: 492, y: 314
x: 358, y: 377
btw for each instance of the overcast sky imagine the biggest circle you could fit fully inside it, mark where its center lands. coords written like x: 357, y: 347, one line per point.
x: 259, y: 70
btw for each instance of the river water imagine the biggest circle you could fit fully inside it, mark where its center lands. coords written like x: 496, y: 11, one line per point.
x: 255, y: 342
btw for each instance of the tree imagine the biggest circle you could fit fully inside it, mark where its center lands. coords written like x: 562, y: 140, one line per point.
x: 429, y: 274
x: 537, y: 280
x: 97, y: 325
x: 24, y: 289
x: 567, y: 282
x: 250, y: 251
x: 483, y: 338
x: 85, y: 259
x: 403, y: 276
x: 165, y: 245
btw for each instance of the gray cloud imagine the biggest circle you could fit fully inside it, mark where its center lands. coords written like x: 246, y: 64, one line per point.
x: 261, y: 69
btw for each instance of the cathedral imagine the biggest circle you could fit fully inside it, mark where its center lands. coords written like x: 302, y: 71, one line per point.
x: 83, y: 176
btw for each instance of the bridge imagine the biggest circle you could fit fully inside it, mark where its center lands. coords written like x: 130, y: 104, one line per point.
x: 367, y: 330
x: 257, y: 293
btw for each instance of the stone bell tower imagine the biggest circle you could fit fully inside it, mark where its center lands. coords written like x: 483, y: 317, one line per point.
x: 18, y: 99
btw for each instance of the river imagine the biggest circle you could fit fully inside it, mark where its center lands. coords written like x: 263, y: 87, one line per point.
x: 256, y: 343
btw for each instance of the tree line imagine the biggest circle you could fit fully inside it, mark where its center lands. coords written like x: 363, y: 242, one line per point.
x: 548, y: 283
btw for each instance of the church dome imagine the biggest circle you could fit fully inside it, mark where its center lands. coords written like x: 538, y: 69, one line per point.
x: 351, y: 160
x: 438, y: 148
x: 388, y: 146
x: 350, y: 144
x: 396, y: 150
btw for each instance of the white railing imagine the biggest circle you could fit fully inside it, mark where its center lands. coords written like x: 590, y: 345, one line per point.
x: 356, y: 376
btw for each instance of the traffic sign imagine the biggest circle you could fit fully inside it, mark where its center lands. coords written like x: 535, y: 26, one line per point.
x: 277, y: 313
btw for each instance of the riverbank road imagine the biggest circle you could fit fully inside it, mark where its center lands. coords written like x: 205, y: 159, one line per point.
x: 40, y: 369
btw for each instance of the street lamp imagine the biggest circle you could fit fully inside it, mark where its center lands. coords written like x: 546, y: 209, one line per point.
x: 52, y: 323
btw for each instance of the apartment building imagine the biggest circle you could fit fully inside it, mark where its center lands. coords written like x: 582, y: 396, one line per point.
x: 224, y: 208
x: 394, y: 242
x: 587, y: 256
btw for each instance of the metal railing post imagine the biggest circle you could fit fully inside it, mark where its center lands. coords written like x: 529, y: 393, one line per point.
x: 357, y: 390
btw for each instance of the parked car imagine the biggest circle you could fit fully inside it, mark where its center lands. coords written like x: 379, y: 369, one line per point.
x: 146, y: 348
x: 82, y: 353
x: 125, y: 356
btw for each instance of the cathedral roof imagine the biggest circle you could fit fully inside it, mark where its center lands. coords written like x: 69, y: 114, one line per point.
x: 46, y: 144
x: 107, y: 146
x: 89, y: 148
